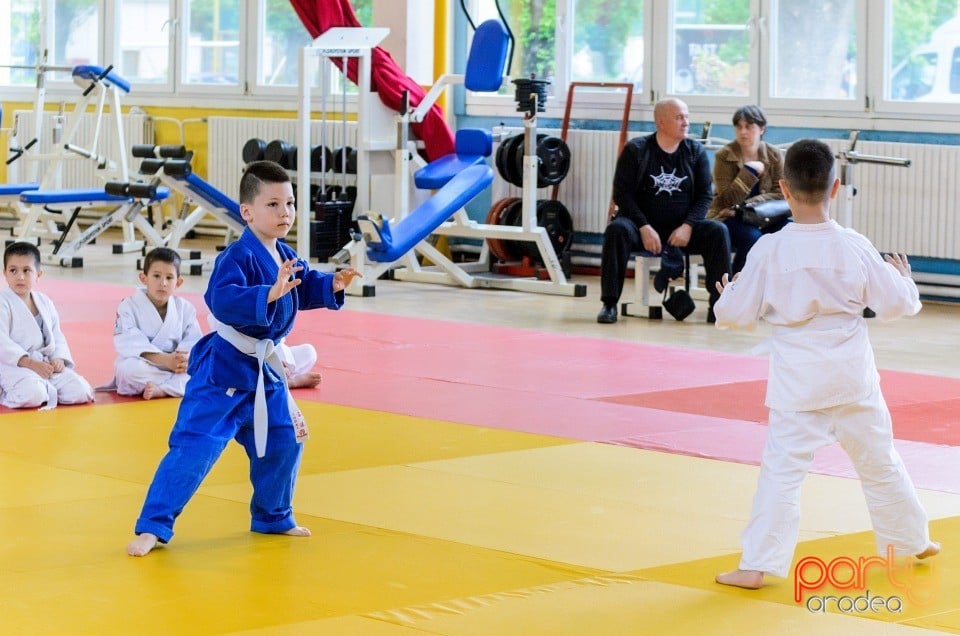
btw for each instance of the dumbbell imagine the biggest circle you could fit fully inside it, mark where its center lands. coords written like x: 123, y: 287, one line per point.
x: 253, y: 150
x: 150, y: 151
x: 321, y: 159
x: 345, y: 157
x: 135, y: 190
x: 282, y: 153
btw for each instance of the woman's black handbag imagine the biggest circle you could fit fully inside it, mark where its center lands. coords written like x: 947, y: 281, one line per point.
x: 763, y: 214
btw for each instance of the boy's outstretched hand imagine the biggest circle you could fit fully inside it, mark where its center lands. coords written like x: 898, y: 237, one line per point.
x: 900, y: 263
x: 285, y: 280
x: 726, y: 280
x: 343, y: 278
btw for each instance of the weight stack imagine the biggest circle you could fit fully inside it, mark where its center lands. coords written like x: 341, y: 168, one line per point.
x: 331, y: 229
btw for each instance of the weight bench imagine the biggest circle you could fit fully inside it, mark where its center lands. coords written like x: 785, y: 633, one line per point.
x: 10, y: 201
x: 386, y: 244
x: 178, y: 175
x: 126, y: 208
x: 173, y: 169
x: 645, y: 265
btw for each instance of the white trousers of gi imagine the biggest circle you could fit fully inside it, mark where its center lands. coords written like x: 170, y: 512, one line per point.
x: 23, y: 388
x: 132, y: 375
x: 865, y: 433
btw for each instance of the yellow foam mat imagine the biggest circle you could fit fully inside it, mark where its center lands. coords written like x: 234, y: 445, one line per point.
x: 927, y: 589
x: 624, y: 605
x: 419, y: 527
x: 595, y: 505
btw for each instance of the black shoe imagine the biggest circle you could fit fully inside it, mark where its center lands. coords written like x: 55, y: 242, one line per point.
x: 607, y: 315
x: 711, y: 317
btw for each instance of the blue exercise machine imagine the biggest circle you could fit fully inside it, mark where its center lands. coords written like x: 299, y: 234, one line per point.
x: 386, y: 245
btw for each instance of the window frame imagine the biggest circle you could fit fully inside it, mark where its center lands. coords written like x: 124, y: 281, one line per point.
x: 868, y: 110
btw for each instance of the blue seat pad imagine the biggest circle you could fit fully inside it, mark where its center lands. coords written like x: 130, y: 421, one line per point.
x: 90, y: 195
x: 11, y: 189
x: 92, y: 72
x: 398, y: 240
x: 436, y: 174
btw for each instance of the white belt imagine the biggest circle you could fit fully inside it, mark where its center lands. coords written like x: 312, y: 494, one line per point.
x: 265, y: 352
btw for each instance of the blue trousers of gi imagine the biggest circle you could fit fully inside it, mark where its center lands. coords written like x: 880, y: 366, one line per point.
x: 208, y: 419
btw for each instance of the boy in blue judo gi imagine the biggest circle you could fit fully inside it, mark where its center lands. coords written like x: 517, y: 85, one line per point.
x: 237, y: 387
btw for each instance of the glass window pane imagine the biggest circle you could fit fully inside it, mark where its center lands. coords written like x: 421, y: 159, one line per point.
x: 711, y: 47
x: 534, y: 24
x: 20, y: 27
x: 924, y: 51
x: 815, y: 47
x: 76, y: 33
x: 144, y: 41
x: 608, y: 42
x: 283, y: 35
x: 213, y: 42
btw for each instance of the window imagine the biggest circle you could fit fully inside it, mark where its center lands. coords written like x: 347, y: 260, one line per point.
x: 144, y: 34
x: 859, y: 60
x: 608, y: 42
x: 282, y: 35
x: 23, y: 16
x: 923, y: 60
x: 211, y: 37
x: 711, y: 48
x: 815, y: 50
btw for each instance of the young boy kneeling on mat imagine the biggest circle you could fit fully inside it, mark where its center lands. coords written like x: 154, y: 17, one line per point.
x: 237, y: 387
x: 154, y: 332
x: 811, y: 281
x: 36, y: 367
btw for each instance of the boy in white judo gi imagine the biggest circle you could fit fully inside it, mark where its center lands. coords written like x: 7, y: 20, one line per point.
x: 36, y: 367
x: 237, y: 387
x: 811, y: 281
x: 154, y: 331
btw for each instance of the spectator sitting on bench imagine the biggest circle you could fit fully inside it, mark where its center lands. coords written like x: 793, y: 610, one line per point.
x: 662, y: 189
x: 746, y: 170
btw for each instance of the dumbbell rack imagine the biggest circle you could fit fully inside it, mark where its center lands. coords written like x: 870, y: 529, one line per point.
x: 374, y: 133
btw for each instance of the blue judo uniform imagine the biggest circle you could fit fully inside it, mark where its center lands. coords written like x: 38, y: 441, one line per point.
x: 219, y: 401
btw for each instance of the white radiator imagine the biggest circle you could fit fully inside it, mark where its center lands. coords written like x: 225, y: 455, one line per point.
x: 76, y: 172
x: 911, y: 210
x: 226, y: 137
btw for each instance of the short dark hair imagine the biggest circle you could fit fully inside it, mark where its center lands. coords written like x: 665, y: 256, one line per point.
x: 809, y: 170
x: 163, y: 255
x: 751, y: 114
x: 21, y: 248
x: 260, y: 172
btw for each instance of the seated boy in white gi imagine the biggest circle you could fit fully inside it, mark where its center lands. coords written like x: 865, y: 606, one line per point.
x: 155, y: 331
x: 298, y: 361
x: 35, y: 362
x: 811, y: 281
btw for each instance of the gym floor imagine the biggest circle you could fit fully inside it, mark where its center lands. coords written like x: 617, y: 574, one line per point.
x: 480, y: 462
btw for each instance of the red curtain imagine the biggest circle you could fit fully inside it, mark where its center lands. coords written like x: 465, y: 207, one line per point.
x: 387, y: 79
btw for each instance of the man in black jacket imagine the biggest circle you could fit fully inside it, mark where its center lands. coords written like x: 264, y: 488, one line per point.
x: 662, y: 188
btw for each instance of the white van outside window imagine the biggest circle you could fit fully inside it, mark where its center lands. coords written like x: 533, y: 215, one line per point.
x: 931, y: 73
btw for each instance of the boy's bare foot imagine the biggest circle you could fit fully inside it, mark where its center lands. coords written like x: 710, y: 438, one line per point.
x: 142, y: 544
x: 747, y: 579
x: 298, y: 531
x: 152, y: 390
x: 932, y: 549
x: 304, y: 381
